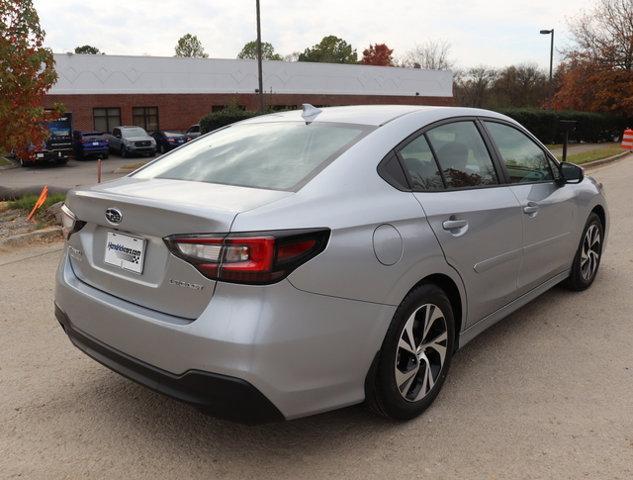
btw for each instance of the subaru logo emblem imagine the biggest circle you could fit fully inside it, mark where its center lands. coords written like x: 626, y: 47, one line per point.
x: 113, y: 216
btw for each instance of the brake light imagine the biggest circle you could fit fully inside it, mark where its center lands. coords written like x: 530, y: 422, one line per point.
x: 252, y: 258
x: 70, y: 224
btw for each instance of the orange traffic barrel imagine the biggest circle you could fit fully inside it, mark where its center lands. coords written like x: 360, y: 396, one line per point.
x: 627, y: 139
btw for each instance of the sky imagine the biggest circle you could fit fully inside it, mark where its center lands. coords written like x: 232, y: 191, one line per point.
x: 481, y: 32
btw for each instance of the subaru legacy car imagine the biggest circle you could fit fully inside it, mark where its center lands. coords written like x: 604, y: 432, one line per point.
x: 304, y: 261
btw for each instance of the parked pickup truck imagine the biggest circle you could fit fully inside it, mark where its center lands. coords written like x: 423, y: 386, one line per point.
x: 90, y: 145
x: 56, y: 148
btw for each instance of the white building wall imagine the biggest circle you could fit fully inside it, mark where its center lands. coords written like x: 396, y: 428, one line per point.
x: 112, y: 74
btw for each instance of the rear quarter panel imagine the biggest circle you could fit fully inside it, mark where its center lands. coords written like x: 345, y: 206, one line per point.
x: 352, y: 200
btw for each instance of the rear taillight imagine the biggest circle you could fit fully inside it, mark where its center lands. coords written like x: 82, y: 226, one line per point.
x: 253, y: 258
x: 70, y: 224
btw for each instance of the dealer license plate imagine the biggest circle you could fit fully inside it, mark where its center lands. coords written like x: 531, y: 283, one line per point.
x: 125, y: 252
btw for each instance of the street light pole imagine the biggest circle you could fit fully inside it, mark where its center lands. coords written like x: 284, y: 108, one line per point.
x: 259, y: 60
x: 551, y: 64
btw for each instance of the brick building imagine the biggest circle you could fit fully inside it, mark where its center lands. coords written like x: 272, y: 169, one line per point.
x: 104, y: 91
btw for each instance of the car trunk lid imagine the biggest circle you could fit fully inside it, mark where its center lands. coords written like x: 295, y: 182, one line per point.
x: 147, y: 274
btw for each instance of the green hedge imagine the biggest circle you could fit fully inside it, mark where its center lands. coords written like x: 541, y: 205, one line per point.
x: 544, y: 124
x: 591, y: 127
x: 225, y: 117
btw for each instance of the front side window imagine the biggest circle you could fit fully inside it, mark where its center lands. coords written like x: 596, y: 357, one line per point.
x: 145, y: 117
x: 276, y: 156
x: 418, y: 161
x: 106, y: 119
x: 525, y: 161
x: 462, y: 155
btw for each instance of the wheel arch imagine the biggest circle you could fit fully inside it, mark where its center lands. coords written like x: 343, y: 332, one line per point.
x: 455, y: 296
x: 602, y: 214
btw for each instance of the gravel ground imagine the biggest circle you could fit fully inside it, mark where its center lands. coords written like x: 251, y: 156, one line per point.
x: 547, y: 393
x: 14, y: 222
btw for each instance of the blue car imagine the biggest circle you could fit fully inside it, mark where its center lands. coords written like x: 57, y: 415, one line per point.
x: 90, y: 145
x: 168, y: 140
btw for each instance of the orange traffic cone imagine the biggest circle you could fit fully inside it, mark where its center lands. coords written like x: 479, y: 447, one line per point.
x: 627, y: 139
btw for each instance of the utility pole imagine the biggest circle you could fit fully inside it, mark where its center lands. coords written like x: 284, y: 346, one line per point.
x: 259, y: 60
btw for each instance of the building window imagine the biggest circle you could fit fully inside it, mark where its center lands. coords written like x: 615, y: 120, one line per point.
x: 105, y: 119
x: 146, y: 117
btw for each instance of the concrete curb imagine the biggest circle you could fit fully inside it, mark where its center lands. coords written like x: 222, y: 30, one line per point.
x: 8, y: 193
x: 603, y: 161
x: 125, y: 169
x: 45, y: 234
x: 9, y: 167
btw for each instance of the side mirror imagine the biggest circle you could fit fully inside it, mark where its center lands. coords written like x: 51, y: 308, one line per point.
x: 571, y: 173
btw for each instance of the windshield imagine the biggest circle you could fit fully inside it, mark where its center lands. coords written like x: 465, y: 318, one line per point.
x: 173, y: 134
x: 276, y: 156
x: 134, y: 132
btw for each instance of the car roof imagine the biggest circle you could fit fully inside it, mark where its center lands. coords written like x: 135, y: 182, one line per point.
x: 374, y: 115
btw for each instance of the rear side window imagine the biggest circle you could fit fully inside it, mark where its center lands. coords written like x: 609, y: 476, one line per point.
x: 275, y: 156
x: 525, y: 161
x: 418, y: 161
x: 462, y: 155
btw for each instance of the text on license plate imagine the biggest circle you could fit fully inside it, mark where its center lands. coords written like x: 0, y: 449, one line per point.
x: 125, y: 252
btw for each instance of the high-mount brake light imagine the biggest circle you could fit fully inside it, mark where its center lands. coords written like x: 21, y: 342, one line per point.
x: 252, y: 258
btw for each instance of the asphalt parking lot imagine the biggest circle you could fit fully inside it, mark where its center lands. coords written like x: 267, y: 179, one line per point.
x: 547, y: 393
x: 75, y: 172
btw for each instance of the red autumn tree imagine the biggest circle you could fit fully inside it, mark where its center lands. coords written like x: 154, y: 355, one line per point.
x: 378, y: 54
x: 26, y: 73
x: 597, y: 74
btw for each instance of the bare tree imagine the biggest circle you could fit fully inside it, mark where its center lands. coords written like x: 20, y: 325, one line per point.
x: 605, y: 35
x: 472, y: 87
x: 523, y: 85
x: 430, y: 55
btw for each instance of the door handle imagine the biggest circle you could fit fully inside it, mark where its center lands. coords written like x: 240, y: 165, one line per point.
x: 531, y: 208
x: 454, y: 224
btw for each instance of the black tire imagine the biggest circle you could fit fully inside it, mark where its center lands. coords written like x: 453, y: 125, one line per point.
x: 383, y: 394
x: 106, y: 156
x: 578, y: 279
x: 123, y: 152
x: 163, y: 150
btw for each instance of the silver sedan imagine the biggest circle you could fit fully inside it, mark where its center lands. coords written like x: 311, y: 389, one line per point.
x: 304, y: 261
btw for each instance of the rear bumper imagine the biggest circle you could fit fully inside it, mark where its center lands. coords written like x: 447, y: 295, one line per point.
x: 305, y: 353
x: 219, y: 395
x: 135, y: 149
x: 93, y: 151
x: 49, y: 156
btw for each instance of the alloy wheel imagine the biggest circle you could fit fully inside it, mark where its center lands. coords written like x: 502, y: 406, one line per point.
x: 590, y: 252
x: 421, y: 352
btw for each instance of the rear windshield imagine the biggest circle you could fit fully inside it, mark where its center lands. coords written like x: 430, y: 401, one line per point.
x: 275, y: 156
x: 173, y: 134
